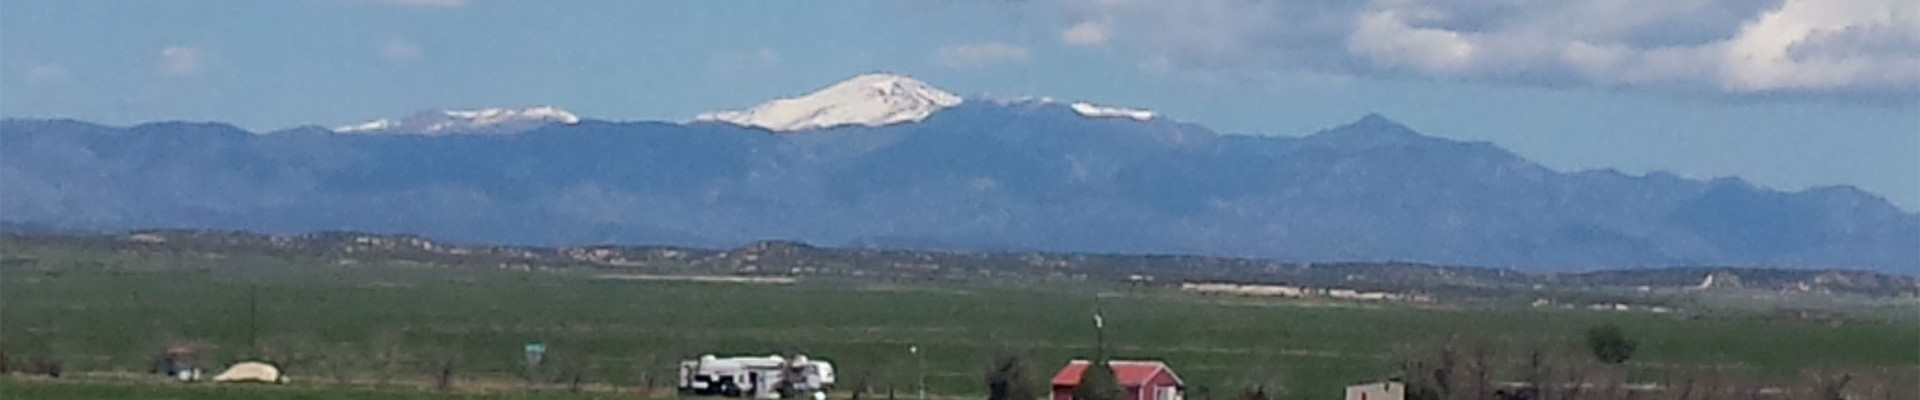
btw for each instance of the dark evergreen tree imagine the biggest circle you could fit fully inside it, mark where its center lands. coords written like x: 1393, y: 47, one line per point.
x: 1098, y: 382
x: 1609, y: 344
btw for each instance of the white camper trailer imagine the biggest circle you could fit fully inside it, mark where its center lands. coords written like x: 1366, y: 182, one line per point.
x: 767, y: 377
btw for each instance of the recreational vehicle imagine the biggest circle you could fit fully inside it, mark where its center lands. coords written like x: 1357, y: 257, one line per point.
x: 769, y: 377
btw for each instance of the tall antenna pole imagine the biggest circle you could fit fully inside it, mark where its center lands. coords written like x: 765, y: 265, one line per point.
x: 1099, y: 332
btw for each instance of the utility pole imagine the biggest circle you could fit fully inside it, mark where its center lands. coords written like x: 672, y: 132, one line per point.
x: 922, y: 359
x: 1099, y: 332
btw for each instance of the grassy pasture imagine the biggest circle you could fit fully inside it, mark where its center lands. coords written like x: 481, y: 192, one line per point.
x: 44, y: 389
x: 337, y: 324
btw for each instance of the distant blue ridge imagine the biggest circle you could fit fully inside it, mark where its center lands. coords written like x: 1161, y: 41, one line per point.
x: 979, y: 176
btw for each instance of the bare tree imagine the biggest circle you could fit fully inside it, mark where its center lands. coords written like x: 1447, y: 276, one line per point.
x: 340, y: 363
x: 389, y: 357
x: 445, y: 376
x: 1685, y: 389
x: 1443, y: 373
x: 1479, y: 370
x: 1257, y: 392
x: 1432, y: 374
x: 291, y: 353
x: 1010, y: 379
x: 860, y: 388
x: 1577, y: 374
x: 1537, y: 372
x: 1829, y: 387
x: 48, y: 366
x: 1886, y: 384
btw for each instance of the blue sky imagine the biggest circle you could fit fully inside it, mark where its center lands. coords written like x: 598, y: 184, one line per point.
x: 1703, y: 89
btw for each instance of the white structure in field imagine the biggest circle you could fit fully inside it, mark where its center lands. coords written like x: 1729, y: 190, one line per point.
x: 251, y: 371
x: 1382, y: 390
x: 758, y: 377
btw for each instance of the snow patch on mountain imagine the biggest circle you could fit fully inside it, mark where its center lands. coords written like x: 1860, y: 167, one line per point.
x: 455, y: 122
x: 1023, y: 101
x: 869, y: 100
x: 369, y: 126
x: 1091, y: 110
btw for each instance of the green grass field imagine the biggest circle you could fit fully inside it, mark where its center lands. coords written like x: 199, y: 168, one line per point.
x: 43, y: 389
x: 334, y: 324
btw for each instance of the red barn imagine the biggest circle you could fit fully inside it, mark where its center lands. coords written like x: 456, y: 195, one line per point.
x: 1143, y: 380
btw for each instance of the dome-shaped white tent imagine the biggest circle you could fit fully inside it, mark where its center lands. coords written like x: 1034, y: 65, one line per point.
x: 251, y: 371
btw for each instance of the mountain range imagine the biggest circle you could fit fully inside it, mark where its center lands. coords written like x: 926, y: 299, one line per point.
x: 888, y: 161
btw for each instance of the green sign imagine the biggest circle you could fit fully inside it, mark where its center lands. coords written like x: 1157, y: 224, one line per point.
x: 535, y: 351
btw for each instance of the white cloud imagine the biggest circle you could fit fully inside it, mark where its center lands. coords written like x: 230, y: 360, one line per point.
x: 180, y: 61
x: 401, y: 50
x: 47, y: 73
x: 1386, y: 37
x: 424, y: 3
x: 1826, y: 44
x: 980, y: 55
x: 1730, y: 46
x: 1086, y: 33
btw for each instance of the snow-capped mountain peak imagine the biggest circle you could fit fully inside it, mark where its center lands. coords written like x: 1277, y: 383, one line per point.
x: 870, y: 100
x: 454, y: 122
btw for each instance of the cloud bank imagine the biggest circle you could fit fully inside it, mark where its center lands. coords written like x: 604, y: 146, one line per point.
x: 1740, y: 47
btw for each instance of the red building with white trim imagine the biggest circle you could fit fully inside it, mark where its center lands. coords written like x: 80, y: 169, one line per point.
x: 1143, y: 380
